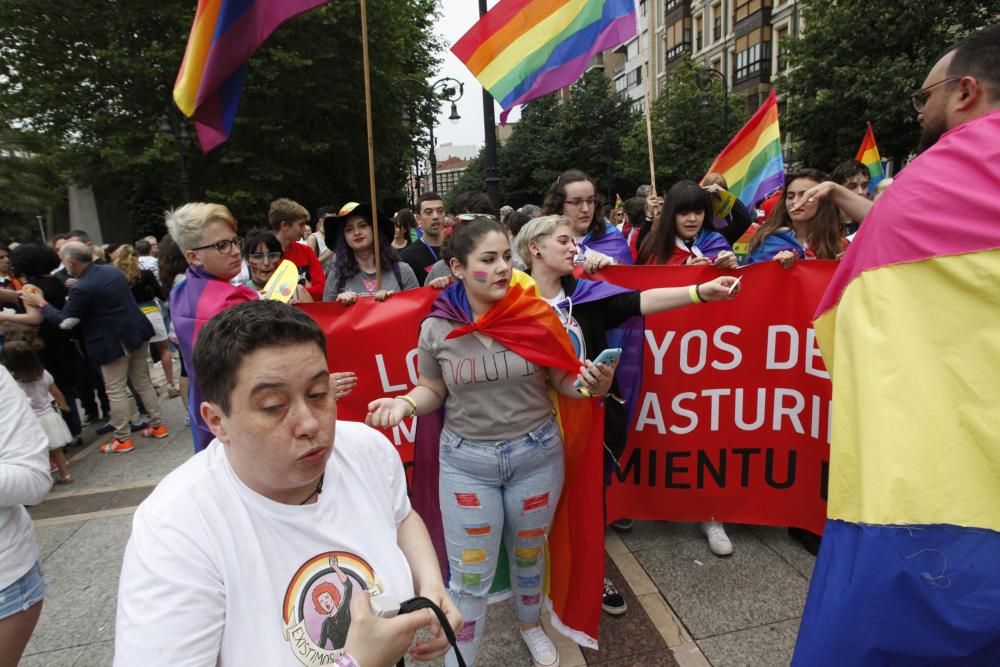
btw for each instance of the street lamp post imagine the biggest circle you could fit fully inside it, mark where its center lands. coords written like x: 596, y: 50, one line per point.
x: 172, y: 125
x: 445, y: 89
x: 711, y: 72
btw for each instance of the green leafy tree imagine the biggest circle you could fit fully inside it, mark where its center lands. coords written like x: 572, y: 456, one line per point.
x: 859, y: 61
x: 29, y: 184
x: 94, y: 80
x: 690, y: 127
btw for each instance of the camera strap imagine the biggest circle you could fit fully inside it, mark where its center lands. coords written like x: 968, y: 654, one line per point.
x: 414, y: 604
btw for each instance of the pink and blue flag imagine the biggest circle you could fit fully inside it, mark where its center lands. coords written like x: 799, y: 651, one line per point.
x: 224, y: 36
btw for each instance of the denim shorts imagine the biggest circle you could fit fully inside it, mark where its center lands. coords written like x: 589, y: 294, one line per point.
x: 23, y: 593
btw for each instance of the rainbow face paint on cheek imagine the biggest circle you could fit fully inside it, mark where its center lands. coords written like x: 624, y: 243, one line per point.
x: 480, y: 276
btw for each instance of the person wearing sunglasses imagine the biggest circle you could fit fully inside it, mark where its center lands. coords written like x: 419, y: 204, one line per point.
x: 907, y: 571
x: 574, y: 195
x: 207, y: 235
x: 263, y: 254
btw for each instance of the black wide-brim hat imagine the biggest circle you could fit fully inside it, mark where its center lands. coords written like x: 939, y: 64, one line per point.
x: 334, y: 225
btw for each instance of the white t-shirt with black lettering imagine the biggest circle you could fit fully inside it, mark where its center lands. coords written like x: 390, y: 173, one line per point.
x: 215, y: 573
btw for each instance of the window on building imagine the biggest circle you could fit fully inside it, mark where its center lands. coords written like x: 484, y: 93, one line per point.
x: 753, y: 54
x: 678, y: 37
x: 782, y: 63
x: 699, y: 27
x: 642, y: 7
x: 671, y: 4
x: 716, y: 22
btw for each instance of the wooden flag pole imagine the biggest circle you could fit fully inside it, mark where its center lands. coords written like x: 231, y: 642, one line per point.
x: 371, y: 143
x: 648, y: 103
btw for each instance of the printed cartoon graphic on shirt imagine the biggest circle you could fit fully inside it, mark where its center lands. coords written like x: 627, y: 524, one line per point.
x: 317, y: 606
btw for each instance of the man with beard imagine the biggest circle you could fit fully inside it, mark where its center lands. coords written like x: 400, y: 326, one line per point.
x: 907, y: 572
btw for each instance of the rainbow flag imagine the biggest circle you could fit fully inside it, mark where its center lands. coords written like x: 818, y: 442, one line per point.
x: 523, y: 49
x: 224, y: 36
x: 618, y: 201
x: 752, y: 163
x: 868, y: 155
x: 909, y: 330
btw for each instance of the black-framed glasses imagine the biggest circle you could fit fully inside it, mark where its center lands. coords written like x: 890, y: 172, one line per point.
x: 225, y: 246
x: 919, y: 97
x: 262, y: 256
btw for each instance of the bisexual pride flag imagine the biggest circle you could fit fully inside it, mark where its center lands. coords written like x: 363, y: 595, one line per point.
x: 224, y: 35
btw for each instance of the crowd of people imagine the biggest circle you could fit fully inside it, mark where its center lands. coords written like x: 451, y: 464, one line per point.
x: 232, y: 529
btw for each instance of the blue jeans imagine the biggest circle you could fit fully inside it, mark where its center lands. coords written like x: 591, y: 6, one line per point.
x: 490, y: 490
x: 24, y: 593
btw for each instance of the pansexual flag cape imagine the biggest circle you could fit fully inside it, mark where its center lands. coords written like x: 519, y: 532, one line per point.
x: 752, y: 162
x: 909, y: 569
x: 575, y: 554
x: 224, y: 35
x: 523, y: 49
x: 868, y: 155
x: 193, y: 302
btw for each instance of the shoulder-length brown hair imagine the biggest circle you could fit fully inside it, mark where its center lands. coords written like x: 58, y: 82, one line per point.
x: 823, y: 236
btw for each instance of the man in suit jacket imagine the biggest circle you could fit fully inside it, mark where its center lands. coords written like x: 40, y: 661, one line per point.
x: 116, y: 335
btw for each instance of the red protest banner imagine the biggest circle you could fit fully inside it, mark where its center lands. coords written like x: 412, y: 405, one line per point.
x: 732, y: 420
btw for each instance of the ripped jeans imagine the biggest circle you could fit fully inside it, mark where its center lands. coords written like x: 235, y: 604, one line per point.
x: 490, y: 490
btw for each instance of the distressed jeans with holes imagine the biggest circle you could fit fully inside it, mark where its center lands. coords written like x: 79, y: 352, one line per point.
x: 490, y: 490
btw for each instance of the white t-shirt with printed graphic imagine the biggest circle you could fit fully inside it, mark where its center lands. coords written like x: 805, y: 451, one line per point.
x: 215, y: 573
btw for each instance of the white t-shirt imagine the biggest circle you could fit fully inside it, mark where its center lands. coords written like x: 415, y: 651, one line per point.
x: 24, y: 479
x: 215, y: 573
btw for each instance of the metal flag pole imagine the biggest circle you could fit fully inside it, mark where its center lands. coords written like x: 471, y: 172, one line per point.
x: 371, y: 143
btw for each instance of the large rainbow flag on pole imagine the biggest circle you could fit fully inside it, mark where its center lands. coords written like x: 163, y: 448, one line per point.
x: 752, y: 163
x: 523, y: 49
x: 224, y: 35
x: 909, y: 569
x: 868, y: 155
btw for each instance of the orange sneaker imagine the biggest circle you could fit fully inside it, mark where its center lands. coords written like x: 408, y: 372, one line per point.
x: 117, y: 446
x: 155, y: 431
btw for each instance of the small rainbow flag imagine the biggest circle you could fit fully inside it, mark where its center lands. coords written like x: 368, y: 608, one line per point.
x: 224, y: 36
x: 752, y: 163
x: 868, y: 155
x: 618, y: 201
x: 523, y: 49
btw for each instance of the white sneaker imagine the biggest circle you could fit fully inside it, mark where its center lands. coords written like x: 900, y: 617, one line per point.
x: 718, y: 541
x: 543, y: 651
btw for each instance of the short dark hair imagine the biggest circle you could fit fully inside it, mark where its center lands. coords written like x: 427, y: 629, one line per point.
x: 239, y: 331
x: 473, y: 201
x: 257, y: 236
x: 80, y: 234
x: 33, y: 259
x: 430, y: 195
x: 516, y: 220
x: 635, y: 210
x: 847, y: 170
x: 467, y: 234
x: 143, y: 247
x: 978, y: 55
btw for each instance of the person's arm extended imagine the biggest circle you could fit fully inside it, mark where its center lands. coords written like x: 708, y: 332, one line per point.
x: 32, y: 316
x: 415, y: 543
x: 659, y: 299
x: 8, y: 296
x: 853, y: 205
x: 426, y: 397
x: 75, y: 308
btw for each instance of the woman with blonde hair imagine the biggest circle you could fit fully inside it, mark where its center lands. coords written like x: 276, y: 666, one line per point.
x: 146, y: 290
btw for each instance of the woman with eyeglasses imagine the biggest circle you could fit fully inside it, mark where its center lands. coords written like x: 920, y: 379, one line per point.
x: 352, y: 271
x: 263, y: 253
x: 803, y: 225
x: 574, y: 195
x: 206, y: 233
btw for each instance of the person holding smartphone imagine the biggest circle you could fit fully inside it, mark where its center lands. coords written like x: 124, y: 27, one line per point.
x: 592, y: 313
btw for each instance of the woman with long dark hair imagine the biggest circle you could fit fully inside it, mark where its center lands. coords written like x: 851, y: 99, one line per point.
x: 352, y: 270
x: 574, y: 195
x: 801, y: 227
x: 681, y: 236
